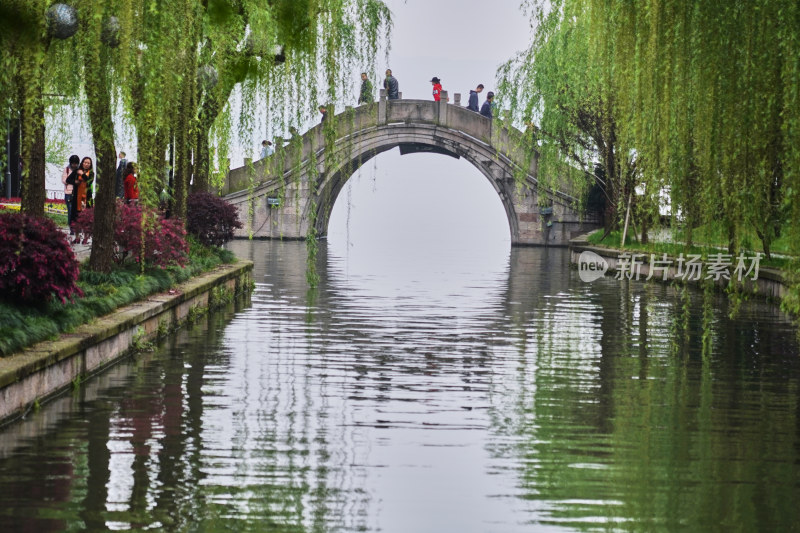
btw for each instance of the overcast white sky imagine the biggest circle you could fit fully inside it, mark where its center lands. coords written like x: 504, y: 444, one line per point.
x: 460, y: 41
x: 396, y: 199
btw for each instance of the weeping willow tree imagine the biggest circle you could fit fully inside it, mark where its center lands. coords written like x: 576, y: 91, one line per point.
x: 558, y: 88
x: 171, y: 70
x: 24, y: 50
x: 711, y: 95
x: 96, y: 44
x: 700, y: 100
x: 192, y: 61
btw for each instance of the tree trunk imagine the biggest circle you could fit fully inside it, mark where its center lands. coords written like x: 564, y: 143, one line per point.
x: 644, y: 239
x: 731, y: 238
x: 184, y: 135
x: 202, y: 162
x: 99, y: 100
x: 33, y: 133
x: 613, y: 188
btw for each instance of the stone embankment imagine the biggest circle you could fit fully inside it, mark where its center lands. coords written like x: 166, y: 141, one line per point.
x: 46, y: 369
x: 770, y: 283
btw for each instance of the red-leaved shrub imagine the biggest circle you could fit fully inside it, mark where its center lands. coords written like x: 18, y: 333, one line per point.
x: 36, y: 261
x: 210, y: 218
x: 164, y: 239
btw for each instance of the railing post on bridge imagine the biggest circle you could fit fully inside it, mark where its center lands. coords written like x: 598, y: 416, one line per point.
x: 443, y: 109
x: 457, y: 99
x: 382, y: 107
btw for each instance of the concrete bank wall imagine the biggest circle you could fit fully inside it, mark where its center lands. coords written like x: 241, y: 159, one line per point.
x: 770, y: 284
x: 48, y: 368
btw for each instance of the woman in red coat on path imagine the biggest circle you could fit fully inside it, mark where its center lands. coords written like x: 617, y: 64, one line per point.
x: 131, y: 186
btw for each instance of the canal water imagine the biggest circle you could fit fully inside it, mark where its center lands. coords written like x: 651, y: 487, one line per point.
x: 463, y: 389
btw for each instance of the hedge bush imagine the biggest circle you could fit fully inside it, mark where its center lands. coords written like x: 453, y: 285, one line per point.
x: 164, y: 239
x: 210, y: 218
x: 36, y: 261
x: 22, y: 326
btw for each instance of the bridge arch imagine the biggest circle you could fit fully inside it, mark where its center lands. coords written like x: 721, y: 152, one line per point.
x: 409, y: 139
x: 276, y: 198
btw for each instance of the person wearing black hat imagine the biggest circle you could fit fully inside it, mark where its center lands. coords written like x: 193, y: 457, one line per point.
x: 437, y: 88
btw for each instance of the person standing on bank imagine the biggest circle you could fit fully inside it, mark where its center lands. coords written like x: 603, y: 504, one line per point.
x: 437, y: 89
x: 85, y: 183
x: 391, y: 85
x: 486, y: 108
x: 82, y: 192
x: 68, y: 179
x: 120, y: 187
x: 131, y: 184
x: 365, y: 96
x: 472, y: 105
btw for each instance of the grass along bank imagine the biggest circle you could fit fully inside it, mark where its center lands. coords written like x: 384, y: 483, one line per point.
x: 22, y: 326
x: 708, y: 241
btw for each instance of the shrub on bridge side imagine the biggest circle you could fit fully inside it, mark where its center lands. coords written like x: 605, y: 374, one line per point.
x: 36, y: 261
x: 164, y: 238
x: 210, y: 218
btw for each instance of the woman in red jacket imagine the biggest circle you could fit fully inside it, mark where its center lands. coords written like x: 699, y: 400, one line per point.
x: 437, y: 88
x: 131, y: 186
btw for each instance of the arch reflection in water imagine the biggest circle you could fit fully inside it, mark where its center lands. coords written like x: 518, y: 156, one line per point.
x: 509, y: 398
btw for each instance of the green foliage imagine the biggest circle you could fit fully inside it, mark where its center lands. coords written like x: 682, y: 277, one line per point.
x: 700, y: 100
x: 702, y: 247
x: 139, y: 343
x: 103, y: 293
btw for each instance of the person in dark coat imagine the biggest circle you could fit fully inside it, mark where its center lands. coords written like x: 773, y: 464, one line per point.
x: 120, y: 186
x: 473, y: 98
x: 486, y: 108
x: 68, y: 179
x: 391, y: 85
x: 324, y: 111
x: 365, y: 97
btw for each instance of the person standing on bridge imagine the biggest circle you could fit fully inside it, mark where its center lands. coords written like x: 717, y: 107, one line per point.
x: 472, y: 105
x: 365, y: 96
x: 437, y: 89
x: 391, y: 85
x: 266, y: 149
x: 324, y: 111
x: 486, y: 108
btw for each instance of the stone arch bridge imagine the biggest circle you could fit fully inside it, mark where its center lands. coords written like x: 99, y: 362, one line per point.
x: 275, y: 197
